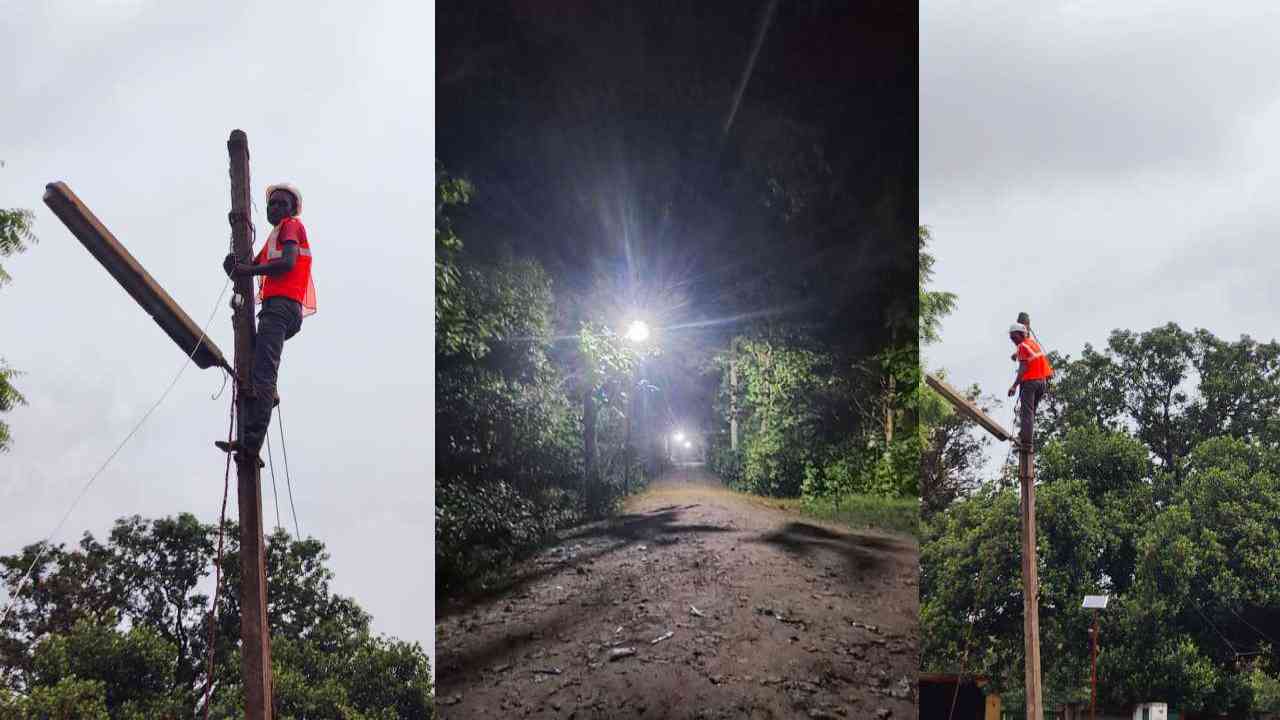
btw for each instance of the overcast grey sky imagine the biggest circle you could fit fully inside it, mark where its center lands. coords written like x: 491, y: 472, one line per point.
x: 1099, y: 165
x: 131, y: 103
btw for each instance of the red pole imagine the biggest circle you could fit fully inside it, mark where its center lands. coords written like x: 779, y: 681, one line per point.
x: 1093, y: 674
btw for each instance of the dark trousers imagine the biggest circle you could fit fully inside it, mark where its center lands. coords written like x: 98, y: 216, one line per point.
x: 1030, y: 394
x: 279, y: 319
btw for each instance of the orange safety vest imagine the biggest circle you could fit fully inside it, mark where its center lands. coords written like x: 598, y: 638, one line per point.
x: 1038, y: 367
x: 295, y: 284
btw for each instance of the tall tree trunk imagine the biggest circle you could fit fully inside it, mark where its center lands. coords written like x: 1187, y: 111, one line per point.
x: 733, y: 401
x: 588, y: 447
x: 888, y: 408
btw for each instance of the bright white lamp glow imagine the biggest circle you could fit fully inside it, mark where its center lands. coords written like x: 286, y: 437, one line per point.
x: 638, y: 331
x: 678, y: 437
x: 687, y: 444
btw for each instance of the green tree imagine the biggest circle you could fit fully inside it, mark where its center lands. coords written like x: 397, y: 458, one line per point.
x: 70, y: 699
x: 15, y: 237
x: 952, y: 450
x: 953, y: 455
x: 934, y: 304
x: 120, y: 629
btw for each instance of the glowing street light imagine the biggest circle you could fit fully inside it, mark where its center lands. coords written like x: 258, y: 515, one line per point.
x: 687, y: 444
x: 638, y: 331
x: 679, y: 436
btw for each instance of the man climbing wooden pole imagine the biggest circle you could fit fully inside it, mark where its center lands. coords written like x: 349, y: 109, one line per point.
x: 1031, y: 382
x: 255, y: 635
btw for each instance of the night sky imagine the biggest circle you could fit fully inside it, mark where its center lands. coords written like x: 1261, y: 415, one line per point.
x: 603, y: 139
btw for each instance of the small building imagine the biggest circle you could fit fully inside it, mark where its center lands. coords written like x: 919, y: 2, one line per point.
x: 938, y: 691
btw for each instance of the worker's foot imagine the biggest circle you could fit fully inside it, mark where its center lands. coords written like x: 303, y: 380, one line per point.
x: 234, y: 446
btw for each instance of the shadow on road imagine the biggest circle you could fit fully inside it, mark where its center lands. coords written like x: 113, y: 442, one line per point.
x: 863, y: 553
x: 602, y: 539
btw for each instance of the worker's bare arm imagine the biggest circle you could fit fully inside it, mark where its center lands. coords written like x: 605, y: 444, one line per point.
x: 279, y: 266
x: 1017, y: 378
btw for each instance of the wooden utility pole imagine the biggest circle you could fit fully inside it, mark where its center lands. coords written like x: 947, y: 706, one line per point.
x: 255, y: 636
x: 1030, y: 566
x: 1030, y: 583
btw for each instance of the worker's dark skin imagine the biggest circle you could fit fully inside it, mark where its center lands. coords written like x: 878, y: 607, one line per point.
x: 279, y: 207
x: 1017, y: 339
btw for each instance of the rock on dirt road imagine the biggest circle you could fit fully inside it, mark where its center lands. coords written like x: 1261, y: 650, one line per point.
x: 697, y: 603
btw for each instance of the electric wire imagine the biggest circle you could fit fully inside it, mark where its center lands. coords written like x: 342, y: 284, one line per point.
x: 217, y: 566
x: 284, y: 450
x: 271, y: 465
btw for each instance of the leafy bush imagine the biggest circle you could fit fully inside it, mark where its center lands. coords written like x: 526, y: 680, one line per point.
x: 484, y: 525
x: 119, y: 629
x: 726, y: 463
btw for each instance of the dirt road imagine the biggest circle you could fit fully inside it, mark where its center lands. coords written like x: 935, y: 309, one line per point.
x: 697, y: 603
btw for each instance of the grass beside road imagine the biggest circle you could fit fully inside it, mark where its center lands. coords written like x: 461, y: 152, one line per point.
x: 857, y: 511
x: 900, y: 515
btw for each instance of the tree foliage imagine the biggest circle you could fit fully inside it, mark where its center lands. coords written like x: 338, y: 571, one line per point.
x: 15, y: 236
x: 934, y: 304
x: 120, y: 629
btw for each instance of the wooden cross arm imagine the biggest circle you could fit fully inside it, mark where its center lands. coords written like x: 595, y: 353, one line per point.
x: 104, y: 246
x: 973, y: 412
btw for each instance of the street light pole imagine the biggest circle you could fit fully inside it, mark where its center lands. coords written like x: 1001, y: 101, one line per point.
x: 627, y: 446
x: 1093, y: 673
x: 1094, y: 603
x: 637, y: 333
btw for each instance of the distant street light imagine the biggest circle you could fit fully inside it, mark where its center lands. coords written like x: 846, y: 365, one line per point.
x: 1094, y: 603
x: 638, y: 331
x: 687, y: 444
x: 679, y: 436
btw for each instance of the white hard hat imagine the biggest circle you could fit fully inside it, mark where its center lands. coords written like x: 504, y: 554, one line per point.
x: 292, y: 190
x: 1018, y: 328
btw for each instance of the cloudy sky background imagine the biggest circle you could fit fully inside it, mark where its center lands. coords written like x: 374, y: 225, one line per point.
x: 131, y: 104
x: 1100, y: 166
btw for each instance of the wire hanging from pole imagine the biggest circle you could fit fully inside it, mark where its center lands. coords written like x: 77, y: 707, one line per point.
x: 284, y: 450
x: 271, y: 465
x: 217, y: 566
